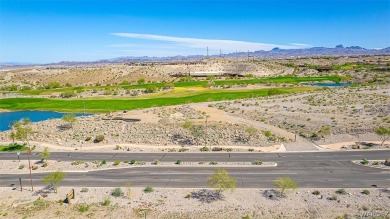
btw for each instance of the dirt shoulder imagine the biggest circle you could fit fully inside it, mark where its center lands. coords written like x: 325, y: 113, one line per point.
x: 192, y: 203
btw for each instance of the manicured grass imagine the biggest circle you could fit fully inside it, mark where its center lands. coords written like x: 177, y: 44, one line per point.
x: 13, y: 147
x: 353, y: 66
x: 107, y: 105
x: 282, y: 79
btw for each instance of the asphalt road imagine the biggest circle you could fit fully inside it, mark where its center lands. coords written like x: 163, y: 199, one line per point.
x: 308, y: 169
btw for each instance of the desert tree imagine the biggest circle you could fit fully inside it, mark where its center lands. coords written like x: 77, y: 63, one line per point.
x: 45, y: 154
x: 221, y: 181
x: 13, y: 137
x: 53, y: 179
x: 69, y: 118
x: 251, y: 132
x: 284, y: 184
x: 324, y: 131
x: 384, y: 133
x: 23, y: 130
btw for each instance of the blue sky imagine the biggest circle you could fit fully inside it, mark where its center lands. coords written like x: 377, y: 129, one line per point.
x: 85, y: 30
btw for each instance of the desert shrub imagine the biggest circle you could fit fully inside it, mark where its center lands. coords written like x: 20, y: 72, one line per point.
x: 366, y: 192
x: 83, y: 208
x: 364, y: 161
x: 375, y: 163
x: 117, y: 162
x: 88, y: 138
x: 213, y: 163
x: 117, y: 192
x: 141, y: 81
x: 316, y: 192
x: 117, y: 147
x: 183, y: 149
x: 257, y: 162
x: 78, y: 162
x: 44, y: 164
x: 228, y: 149
x: 84, y: 189
x: 148, y: 189
x: 251, y: 149
x: 151, y: 89
x: 99, y: 138
x: 34, y: 167
x: 68, y: 94
x: 341, y: 192
x: 21, y: 166
x: 217, y: 149
x: 178, y: 162
x: 334, y: 197
x: 187, y: 124
x: 106, y: 201
x: 204, y: 149
x: 156, y: 161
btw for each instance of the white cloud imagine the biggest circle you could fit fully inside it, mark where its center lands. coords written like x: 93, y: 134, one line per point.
x: 184, y: 44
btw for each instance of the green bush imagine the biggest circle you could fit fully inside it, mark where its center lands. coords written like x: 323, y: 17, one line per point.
x: 204, y: 149
x: 178, y: 162
x: 257, y: 162
x: 141, y: 81
x: 364, y: 161
x: 78, y: 162
x: 68, y: 94
x: 83, y: 208
x: 151, y: 89
x: 213, y: 163
x: 132, y: 161
x: 21, y: 166
x: 183, y: 149
x: 148, y: 189
x: 104, y: 162
x: 99, y: 138
x: 117, y: 192
x: 106, y: 202
x: 341, y: 192
x: 117, y: 162
x: 366, y: 192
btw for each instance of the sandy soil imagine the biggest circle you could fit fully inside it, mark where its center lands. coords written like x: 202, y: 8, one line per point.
x: 171, y: 203
x: 347, y: 145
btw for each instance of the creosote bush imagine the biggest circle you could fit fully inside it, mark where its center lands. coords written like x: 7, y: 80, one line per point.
x: 99, y: 138
x: 117, y: 192
x: 148, y: 189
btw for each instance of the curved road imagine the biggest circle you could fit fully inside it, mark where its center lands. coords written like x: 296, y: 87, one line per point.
x: 308, y: 169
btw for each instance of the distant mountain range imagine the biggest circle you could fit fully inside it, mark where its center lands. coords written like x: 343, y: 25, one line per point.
x: 339, y: 50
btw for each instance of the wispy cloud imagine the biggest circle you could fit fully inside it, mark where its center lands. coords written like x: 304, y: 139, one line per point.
x: 185, y: 43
